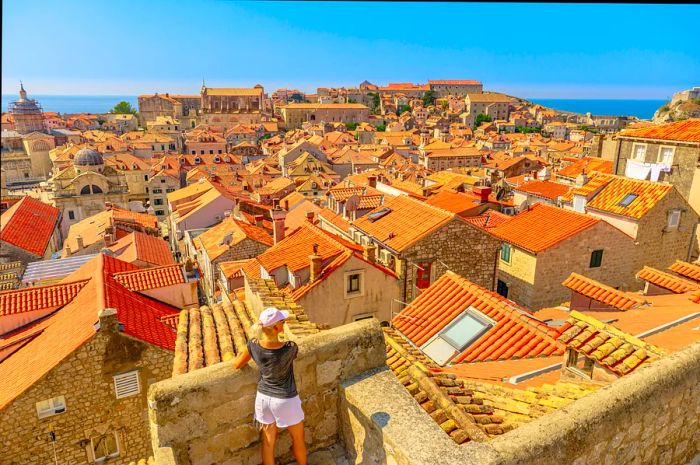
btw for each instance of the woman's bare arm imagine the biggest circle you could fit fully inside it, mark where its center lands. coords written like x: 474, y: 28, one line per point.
x: 241, y: 359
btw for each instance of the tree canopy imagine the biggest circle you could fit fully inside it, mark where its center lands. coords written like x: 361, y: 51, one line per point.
x: 482, y: 118
x: 123, y: 108
x: 429, y: 98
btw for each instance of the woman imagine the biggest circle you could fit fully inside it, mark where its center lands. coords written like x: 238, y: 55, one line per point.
x: 277, y: 403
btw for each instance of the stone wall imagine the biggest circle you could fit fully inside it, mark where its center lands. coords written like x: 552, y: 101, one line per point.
x: 85, y: 380
x: 457, y: 246
x: 206, y: 416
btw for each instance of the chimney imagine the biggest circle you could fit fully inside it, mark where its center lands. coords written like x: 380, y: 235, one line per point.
x: 372, y: 181
x: 581, y: 179
x: 258, y: 220
x: 68, y: 250
x: 482, y: 192
x: 278, y: 217
x: 370, y: 252
x: 109, y: 239
x: 108, y: 206
x: 310, y: 216
x: 108, y: 320
x: 79, y: 240
x: 285, y: 205
x: 316, y: 263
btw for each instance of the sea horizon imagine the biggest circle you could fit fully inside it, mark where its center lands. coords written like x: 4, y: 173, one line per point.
x: 641, y: 108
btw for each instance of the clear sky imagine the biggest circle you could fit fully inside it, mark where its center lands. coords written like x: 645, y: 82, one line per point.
x: 530, y: 50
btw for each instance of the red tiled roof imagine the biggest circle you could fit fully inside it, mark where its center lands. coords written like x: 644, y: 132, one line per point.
x: 586, y: 165
x: 689, y: 270
x: 542, y: 226
x: 27, y: 215
x: 666, y: 280
x: 489, y: 219
x: 602, y: 293
x: 452, y: 201
x: 407, y: 222
x: 516, y: 334
x: 612, y: 348
x: 327, y: 270
x: 138, y: 246
x: 150, y: 278
x: 547, y: 189
x: 685, y: 131
x: 648, y: 195
x: 53, y: 297
x: 71, y: 326
x: 335, y: 219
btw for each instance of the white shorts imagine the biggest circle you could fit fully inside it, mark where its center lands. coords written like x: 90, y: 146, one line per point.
x: 283, y: 412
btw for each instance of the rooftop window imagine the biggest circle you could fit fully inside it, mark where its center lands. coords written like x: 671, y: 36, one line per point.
x: 457, y: 336
x: 629, y: 198
x: 381, y: 213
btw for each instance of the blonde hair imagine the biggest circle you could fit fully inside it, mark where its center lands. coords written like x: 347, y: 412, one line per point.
x: 257, y: 330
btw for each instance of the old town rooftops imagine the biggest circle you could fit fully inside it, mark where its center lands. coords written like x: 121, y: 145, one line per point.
x: 667, y: 281
x: 545, y: 189
x: 151, y: 278
x: 26, y: 215
x: 542, y: 226
x: 507, y: 330
x: 680, y: 131
x: 602, y: 293
x: 586, y: 165
x: 688, y: 270
x: 402, y: 221
x: 220, y: 238
x: 629, y: 197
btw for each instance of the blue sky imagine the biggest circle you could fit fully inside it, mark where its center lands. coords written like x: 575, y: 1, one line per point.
x: 530, y: 50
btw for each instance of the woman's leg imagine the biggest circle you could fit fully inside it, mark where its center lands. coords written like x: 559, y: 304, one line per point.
x: 269, y: 436
x: 298, y: 444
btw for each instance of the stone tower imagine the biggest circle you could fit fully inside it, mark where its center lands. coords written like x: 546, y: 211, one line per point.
x: 27, y: 113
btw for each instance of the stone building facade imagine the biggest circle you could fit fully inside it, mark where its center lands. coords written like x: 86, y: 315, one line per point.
x: 227, y: 107
x: 86, y: 382
x: 534, y: 280
x: 180, y: 107
x: 296, y: 114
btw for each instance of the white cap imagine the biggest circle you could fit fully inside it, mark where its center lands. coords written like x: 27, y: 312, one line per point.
x: 271, y: 315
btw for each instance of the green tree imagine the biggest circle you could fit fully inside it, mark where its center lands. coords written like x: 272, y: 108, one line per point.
x: 429, y: 98
x: 296, y: 97
x: 445, y: 105
x: 351, y: 100
x: 123, y: 108
x: 481, y: 118
x: 351, y: 126
x: 403, y: 108
x: 381, y: 128
x: 375, y: 100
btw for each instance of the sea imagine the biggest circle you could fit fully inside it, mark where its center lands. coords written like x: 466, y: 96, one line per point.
x: 643, y: 109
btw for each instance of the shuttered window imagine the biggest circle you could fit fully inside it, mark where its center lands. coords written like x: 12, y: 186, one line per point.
x: 127, y: 384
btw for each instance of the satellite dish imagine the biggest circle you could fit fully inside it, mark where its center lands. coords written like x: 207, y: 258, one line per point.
x: 352, y: 203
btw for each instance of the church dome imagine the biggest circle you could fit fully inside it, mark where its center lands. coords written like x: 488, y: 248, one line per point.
x: 88, y: 157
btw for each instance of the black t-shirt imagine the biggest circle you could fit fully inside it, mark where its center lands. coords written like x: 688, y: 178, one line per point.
x: 276, y: 370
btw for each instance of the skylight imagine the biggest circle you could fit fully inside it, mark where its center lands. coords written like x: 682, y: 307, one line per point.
x: 457, y: 336
x: 629, y: 198
x: 381, y: 213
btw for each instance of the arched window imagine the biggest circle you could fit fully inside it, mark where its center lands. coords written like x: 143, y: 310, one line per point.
x: 90, y: 189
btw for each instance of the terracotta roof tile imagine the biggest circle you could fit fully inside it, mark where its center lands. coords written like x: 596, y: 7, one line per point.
x: 452, y: 201
x: 489, y: 219
x: 685, y: 131
x: 586, y: 165
x: 151, y: 278
x: 547, y: 189
x: 602, y: 293
x: 667, y: 280
x: 143, y: 247
x: 592, y: 187
x: 38, y: 298
x: 406, y: 222
x: 689, y: 270
x: 516, y: 334
x: 213, y: 239
x: 29, y: 214
x: 610, y: 197
x: 612, y: 348
x: 542, y: 226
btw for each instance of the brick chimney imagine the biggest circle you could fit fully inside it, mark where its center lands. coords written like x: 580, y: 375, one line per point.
x: 372, y: 181
x: 370, y: 252
x: 482, y: 192
x: 315, y: 265
x: 310, y: 216
x: 258, y: 220
x: 278, y: 217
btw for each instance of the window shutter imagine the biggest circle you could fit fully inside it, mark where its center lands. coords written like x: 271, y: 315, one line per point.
x: 127, y: 384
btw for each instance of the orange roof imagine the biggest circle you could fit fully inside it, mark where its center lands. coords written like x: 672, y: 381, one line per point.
x: 233, y: 268
x: 29, y: 225
x: 586, y: 165
x: 453, y: 201
x: 406, y: 222
x: 547, y: 189
x: 667, y: 280
x: 648, y: 195
x: 602, y: 293
x: 689, y: 270
x: 612, y: 348
x: 150, y: 278
x: 326, y: 271
x: 685, y: 131
x: 38, y: 298
x: 592, y: 187
x: 71, y: 326
x: 335, y: 219
x: 213, y: 239
x: 516, y: 334
x: 138, y: 246
x: 488, y: 219
x: 542, y: 226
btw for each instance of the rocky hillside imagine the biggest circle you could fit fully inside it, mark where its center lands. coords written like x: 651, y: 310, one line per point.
x: 678, y: 111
